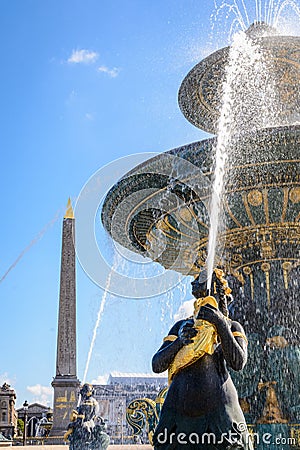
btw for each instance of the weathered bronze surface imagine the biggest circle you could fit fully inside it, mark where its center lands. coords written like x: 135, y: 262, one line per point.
x: 86, y: 431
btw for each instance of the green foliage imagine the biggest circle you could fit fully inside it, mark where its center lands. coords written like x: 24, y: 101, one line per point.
x: 20, y: 426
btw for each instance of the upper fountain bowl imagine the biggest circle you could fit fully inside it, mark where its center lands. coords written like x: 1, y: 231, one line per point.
x: 261, y: 29
x: 200, y: 93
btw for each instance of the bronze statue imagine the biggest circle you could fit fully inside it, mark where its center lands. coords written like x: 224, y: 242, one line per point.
x: 201, y: 409
x: 86, y: 431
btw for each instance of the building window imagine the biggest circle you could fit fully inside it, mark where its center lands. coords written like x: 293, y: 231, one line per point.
x: 3, y: 404
x: 3, y: 416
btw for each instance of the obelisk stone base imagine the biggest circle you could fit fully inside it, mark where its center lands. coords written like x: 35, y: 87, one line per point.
x: 65, y: 400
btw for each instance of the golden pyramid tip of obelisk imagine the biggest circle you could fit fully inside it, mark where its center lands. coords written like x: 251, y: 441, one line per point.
x: 69, y: 212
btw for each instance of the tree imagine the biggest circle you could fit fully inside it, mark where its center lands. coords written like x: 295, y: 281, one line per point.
x: 20, y: 427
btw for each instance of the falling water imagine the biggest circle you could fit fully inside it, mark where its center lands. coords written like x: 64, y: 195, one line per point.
x: 99, y: 315
x: 281, y: 7
x: 246, y: 78
x: 269, y: 11
x: 224, y: 131
x: 34, y: 241
x: 243, y: 56
x: 233, y: 8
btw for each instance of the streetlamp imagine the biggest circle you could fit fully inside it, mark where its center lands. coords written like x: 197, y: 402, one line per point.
x: 25, y: 406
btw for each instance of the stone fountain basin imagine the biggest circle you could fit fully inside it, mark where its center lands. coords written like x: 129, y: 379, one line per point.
x: 201, y: 92
x: 159, y: 209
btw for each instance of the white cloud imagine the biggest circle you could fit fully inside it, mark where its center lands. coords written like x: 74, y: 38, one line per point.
x: 185, y: 310
x: 42, y: 394
x: 111, y: 72
x: 83, y: 57
x: 101, y: 379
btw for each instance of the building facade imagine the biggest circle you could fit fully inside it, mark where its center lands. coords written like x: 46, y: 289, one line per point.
x: 115, y: 396
x: 37, y: 414
x: 8, y: 414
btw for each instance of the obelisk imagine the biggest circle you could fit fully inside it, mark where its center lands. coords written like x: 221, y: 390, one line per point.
x: 65, y: 383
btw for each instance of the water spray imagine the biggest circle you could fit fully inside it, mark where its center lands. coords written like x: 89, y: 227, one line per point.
x: 244, y: 57
x: 34, y: 241
x: 99, y: 316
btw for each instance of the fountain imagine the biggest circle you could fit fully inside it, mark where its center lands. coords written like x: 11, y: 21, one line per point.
x: 248, y: 95
x: 86, y: 431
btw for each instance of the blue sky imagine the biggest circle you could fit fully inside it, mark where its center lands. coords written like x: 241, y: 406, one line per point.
x: 84, y: 83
